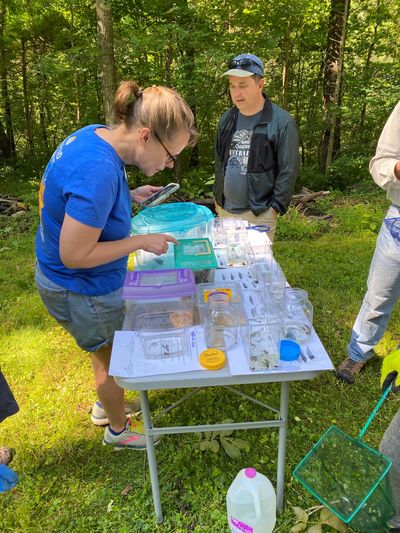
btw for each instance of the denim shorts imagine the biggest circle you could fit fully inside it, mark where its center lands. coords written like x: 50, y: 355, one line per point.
x: 91, y: 320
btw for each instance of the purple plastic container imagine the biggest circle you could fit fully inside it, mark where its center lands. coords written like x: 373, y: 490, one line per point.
x: 158, y: 284
x: 151, y: 292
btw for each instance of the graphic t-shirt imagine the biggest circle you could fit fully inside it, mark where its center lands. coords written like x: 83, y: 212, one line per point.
x: 235, y: 182
x: 86, y: 179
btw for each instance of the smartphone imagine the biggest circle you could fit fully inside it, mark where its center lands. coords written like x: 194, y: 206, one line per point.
x: 160, y: 195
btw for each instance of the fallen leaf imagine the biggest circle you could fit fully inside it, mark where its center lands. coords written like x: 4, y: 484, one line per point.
x: 333, y: 521
x: 316, y: 528
x: 126, y: 490
x: 301, y: 514
x: 300, y: 526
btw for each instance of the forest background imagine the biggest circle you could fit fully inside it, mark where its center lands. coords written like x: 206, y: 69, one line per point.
x: 333, y: 64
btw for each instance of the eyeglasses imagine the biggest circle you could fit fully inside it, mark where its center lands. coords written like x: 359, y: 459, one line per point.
x: 172, y: 158
x: 242, y: 63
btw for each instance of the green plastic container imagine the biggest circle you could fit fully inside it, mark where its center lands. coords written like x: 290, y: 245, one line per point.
x: 349, y: 478
x: 197, y: 254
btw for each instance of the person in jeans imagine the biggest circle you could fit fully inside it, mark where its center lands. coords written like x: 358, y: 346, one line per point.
x: 384, y: 274
x: 256, y: 152
x: 83, y: 240
x: 8, y: 407
x: 389, y: 446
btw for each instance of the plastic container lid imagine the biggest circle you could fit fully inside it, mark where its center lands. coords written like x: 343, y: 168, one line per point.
x: 158, y: 284
x: 212, y: 359
x: 197, y: 254
x: 289, y: 350
x: 171, y: 218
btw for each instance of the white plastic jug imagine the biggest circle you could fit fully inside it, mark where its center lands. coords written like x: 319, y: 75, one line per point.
x: 251, y: 503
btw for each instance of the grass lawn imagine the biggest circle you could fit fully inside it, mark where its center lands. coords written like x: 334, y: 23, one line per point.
x: 69, y: 482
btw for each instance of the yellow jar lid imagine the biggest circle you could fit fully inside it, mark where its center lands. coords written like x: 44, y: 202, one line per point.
x: 212, y: 359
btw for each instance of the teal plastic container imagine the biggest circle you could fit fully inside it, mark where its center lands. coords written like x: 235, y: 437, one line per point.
x: 197, y: 254
x: 182, y: 220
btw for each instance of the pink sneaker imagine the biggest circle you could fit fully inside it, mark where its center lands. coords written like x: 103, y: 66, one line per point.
x: 99, y: 417
x: 132, y: 437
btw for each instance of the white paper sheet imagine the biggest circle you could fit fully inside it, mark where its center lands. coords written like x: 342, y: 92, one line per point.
x: 128, y: 358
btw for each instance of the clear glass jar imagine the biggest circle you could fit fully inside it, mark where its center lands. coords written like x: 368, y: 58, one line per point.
x: 220, y: 325
x: 297, y: 317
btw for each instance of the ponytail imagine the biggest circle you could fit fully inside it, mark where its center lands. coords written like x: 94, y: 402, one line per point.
x: 159, y: 108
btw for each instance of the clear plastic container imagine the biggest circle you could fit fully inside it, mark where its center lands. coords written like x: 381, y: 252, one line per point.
x: 251, y: 503
x: 297, y: 316
x: 160, y: 335
x: 181, y: 220
x: 263, y: 344
x: 162, y: 291
x: 234, y: 291
x: 220, y: 322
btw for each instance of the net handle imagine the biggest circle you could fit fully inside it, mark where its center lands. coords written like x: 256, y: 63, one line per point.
x: 373, y: 414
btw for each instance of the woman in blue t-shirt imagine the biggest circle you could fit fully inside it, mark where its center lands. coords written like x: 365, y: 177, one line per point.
x: 83, y: 242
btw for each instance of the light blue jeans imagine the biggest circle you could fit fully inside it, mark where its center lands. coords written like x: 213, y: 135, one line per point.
x: 390, y: 447
x: 382, y: 294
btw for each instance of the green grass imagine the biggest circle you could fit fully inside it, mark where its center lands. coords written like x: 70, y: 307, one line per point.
x: 69, y: 482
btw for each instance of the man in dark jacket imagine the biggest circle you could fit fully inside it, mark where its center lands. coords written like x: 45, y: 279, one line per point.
x: 257, y: 150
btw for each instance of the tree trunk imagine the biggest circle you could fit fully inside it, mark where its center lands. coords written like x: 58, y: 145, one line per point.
x: 9, y: 150
x: 107, y: 62
x: 27, y: 106
x: 77, y: 78
x: 4, y: 143
x: 286, y: 65
x: 330, y: 145
x: 367, y: 67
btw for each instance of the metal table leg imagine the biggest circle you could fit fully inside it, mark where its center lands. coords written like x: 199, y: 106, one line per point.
x: 284, y: 408
x: 151, y: 455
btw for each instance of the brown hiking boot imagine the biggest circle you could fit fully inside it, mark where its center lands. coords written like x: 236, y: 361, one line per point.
x: 348, y: 369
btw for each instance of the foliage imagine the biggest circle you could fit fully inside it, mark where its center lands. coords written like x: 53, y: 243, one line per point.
x: 297, y: 226
x: 215, y: 440
x: 186, y: 44
x: 348, y: 170
x: 325, y: 518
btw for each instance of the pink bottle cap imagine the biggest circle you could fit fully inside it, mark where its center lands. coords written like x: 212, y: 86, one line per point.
x: 250, y: 472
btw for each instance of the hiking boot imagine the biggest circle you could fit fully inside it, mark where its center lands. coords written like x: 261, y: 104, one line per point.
x: 6, y: 455
x: 99, y: 417
x: 131, y: 437
x: 348, y: 370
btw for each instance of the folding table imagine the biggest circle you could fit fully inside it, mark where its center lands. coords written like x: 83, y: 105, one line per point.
x: 223, y: 378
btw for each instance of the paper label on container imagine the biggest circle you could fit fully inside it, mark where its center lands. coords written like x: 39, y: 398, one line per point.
x: 241, y: 526
x: 224, y: 290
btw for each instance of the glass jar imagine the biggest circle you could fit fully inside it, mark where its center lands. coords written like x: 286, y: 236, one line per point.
x: 297, y: 317
x: 220, y: 325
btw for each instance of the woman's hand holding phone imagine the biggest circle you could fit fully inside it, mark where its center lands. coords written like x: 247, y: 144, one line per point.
x: 142, y: 193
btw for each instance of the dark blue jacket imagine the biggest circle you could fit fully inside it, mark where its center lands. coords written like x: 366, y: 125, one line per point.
x: 273, y: 158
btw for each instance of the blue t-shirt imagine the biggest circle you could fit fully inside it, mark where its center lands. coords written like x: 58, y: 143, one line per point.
x: 86, y: 179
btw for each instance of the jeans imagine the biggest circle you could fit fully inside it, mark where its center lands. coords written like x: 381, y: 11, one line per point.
x: 390, y: 447
x: 382, y: 294
x: 91, y: 320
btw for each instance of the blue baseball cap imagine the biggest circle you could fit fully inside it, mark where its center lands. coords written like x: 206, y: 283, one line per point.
x: 245, y: 65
